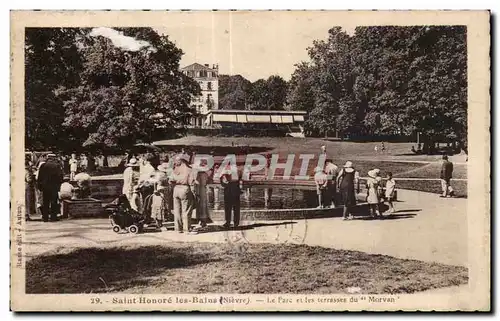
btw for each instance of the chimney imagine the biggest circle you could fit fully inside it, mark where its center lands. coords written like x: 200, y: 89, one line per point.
x: 206, y: 65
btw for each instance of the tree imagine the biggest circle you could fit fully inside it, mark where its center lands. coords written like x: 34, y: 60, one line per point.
x: 300, y: 95
x: 386, y: 80
x: 52, y: 63
x: 269, y: 94
x: 234, y: 92
x: 326, y: 82
x: 123, y: 96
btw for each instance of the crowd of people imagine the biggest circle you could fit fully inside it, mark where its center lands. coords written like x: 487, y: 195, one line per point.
x: 155, y: 188
x: 47, y: 183
x: 334, y: 185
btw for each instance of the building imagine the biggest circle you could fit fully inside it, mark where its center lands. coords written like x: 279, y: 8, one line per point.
x: 265, y: 122
x: 208, y: 79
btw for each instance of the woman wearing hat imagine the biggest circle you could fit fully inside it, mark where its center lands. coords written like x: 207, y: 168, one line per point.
x: 372, y: 198
x: 347, y: 180
x: 200, y: 192
x: 130, y: 178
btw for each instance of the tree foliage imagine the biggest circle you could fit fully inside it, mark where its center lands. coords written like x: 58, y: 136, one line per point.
x: 386, y: 80
x: 52, y: 63
x: 237, y: 92
x: 234, y: 92
x: 109, y: 96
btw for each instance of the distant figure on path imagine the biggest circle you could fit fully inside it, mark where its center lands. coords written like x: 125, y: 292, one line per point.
x: 346, y: 182
x: 323, y: 150
x: 446, y: 175
x: 383, y: 147
x: 50, y: 177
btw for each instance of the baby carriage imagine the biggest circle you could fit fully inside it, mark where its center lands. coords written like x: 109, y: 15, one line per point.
x: 123, y: 217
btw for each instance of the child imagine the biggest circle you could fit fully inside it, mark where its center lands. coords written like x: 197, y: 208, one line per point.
x: 321, y: 180
x: 65, y: 193
x: 390, y: 188
x: 73, y: 166
x: 372, y: 197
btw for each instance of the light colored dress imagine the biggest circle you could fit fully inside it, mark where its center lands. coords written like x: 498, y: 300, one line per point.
x: 372, y: 186
x: 130, y: 180
x: 202, y: 213
x: 390, y: 187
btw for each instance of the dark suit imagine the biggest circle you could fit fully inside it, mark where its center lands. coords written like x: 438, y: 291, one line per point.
x: 232, y: 193
x: 446, y: 175
x: 50, y: 177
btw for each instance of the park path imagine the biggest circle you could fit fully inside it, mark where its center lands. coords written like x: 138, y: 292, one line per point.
x: 426, y: 228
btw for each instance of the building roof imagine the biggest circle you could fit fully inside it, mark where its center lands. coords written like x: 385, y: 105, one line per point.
x: 260, y: 112
x: 196, y: 67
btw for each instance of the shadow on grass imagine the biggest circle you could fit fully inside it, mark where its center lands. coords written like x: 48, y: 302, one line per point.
x: 232, y: 268
x: 103, y: 270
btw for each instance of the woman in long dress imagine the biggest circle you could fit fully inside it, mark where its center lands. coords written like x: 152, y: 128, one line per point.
x: 30, y: 191
x: 372, y: 186
x: 347, y: 181
x: 201, y: 182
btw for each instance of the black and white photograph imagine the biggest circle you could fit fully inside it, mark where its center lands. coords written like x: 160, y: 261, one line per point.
x: 246, y: 160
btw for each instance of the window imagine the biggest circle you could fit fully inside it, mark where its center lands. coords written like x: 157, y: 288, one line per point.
x: 203, y: 73
x: 209, y: 85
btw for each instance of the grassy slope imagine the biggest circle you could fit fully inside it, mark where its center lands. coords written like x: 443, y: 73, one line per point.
x: 224, y: 268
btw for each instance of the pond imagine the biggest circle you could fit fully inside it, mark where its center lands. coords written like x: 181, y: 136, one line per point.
x: 261, y: 197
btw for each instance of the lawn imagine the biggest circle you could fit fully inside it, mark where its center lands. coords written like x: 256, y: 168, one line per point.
x: 460, y: 187
x: 224, y: 268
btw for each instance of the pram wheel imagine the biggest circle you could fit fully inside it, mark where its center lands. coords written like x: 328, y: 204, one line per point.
x: 133, y: 229
x: 116, y: 229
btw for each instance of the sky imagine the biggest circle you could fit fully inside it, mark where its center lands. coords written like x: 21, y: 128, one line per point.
x: 252, y: 44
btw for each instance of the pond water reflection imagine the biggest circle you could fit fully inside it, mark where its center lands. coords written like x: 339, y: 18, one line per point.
x: 260, y: 197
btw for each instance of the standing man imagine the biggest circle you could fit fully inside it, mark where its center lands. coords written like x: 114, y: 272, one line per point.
x: 446, y: 175
x: 183, y: 179
x: 232, y: 192
x: 331, y: 171
x: 50, y: 177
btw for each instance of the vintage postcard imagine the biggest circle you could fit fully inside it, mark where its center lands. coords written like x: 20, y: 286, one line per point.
x: 250, y: 161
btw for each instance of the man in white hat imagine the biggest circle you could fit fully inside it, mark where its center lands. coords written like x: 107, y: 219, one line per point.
x: 183, y: 179
x: 130, y: 178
